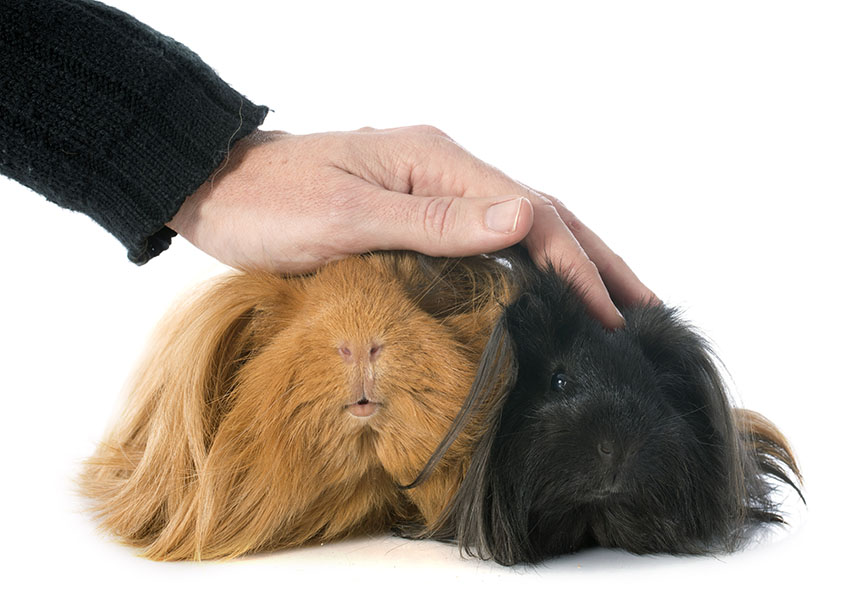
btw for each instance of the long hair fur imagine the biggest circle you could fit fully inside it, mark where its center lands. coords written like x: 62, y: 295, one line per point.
x: 236, y: 437
x: 623, y: 439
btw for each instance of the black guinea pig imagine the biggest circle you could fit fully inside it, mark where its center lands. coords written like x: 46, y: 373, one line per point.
x: 620, y: 438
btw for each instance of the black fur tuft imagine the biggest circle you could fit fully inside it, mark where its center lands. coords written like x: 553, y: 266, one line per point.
x: 623, y: 439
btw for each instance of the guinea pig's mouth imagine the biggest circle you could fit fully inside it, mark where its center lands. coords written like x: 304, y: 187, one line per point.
x: 363, y: 408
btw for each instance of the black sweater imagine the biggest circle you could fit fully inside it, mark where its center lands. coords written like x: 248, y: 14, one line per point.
x: 101, y: 114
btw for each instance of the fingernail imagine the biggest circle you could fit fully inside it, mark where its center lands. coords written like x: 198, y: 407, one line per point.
x: 503, y: 217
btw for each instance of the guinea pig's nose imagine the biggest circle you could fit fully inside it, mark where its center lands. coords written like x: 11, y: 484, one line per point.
x: 363, y: 352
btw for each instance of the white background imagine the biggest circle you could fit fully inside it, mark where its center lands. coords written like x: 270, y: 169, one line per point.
x: 708, y: 143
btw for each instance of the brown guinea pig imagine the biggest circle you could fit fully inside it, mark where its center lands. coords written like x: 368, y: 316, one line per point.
x: 273, y: 411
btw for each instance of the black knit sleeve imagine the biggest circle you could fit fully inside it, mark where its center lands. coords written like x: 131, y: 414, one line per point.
x: 101, y: 114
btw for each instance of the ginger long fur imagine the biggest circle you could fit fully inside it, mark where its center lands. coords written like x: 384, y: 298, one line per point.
x: 234, y: 438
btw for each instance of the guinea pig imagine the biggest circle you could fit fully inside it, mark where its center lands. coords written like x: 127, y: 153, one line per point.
x: 621, y: 438
x: 272, y: 412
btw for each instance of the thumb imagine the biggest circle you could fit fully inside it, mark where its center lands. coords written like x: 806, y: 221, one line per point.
x: 449, y: 226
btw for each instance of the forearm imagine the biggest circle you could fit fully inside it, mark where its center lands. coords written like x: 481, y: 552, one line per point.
x: 101, y: 114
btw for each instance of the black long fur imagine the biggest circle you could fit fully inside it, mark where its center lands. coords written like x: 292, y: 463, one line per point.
x: 624, y: 439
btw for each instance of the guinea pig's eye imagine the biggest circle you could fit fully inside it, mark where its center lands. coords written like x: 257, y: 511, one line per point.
x: 559, y: 382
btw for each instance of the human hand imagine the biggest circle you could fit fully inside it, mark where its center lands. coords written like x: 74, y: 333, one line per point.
x: 290, y: 203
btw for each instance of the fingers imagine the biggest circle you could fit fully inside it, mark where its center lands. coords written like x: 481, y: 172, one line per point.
x: 622, y: 283
x: 453, y: 170
x: 434, y: 168
x: 549, y: 241
x: 456, y: 226
x: 444, y: 225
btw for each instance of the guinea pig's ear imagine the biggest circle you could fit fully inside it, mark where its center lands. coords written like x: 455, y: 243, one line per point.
x: 544, y: 317
x: 685, y: 364
x: 142, y: 477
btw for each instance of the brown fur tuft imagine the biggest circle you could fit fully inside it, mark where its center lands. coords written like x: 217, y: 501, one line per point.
x: 236, y: 436
x: 769, y: 448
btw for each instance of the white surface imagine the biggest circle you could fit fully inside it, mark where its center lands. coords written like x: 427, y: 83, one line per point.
x: 710, y: 146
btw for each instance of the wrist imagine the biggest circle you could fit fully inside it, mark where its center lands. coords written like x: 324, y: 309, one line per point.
x: 188, y: 214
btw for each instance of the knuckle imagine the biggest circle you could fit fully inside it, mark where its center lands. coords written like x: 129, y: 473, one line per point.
x: 546, y: 202
x: 585, y: 279
x: 590, y: 268
x: 580, y: 270
x: 572, y: 222
x: 438, y: 218
x: 616, y: 261
x: 610, y: 265
x: 430, y: 130
x: 585, y: 267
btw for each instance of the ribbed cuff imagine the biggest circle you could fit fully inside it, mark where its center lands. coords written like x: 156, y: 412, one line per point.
x: 102, y: 114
